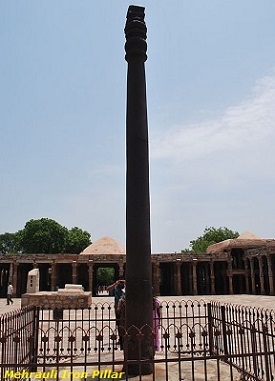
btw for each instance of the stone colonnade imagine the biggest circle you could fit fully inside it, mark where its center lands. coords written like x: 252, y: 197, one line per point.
x: 175, y: 274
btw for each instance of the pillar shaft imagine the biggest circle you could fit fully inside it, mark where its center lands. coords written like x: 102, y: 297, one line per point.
x: 230, y: 277
x: 74, y: 272
x: 261, y: 274
x: 194, y: 277
x: 53, y: 277
x: 177, y: 278
x: 270, y: 275
x: 120, y: 269
x: 138, y: 242
x: 13, y: 269
x: 91, y: 270
x: 212, y: 278
x: 252, y: 274
x: 246, y: 276
x: 156, y: 278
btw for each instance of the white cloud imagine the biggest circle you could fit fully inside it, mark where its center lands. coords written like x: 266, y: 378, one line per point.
x: 216, y: 173
x: 245, y: 126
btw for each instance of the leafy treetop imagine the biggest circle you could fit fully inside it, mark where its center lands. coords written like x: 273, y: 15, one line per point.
x: 45, y: 236
x: 211, y: 236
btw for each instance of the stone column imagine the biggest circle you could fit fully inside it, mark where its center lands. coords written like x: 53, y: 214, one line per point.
x: 53, y: 276
x: 13, y: 276
x: 177, y: 278
x: 121, y: 269
x: 212, y: 278
x: 91, y: 271
x: 74, y: 272
x: 156, y: 278
x: 270, y: 275
x: 261, y: 275
x: 246, y: 276
x: 252, y: 274
x: 194, y: 277
x: 230, y: 276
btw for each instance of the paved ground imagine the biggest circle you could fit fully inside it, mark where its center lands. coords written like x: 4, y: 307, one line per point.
x: 259, y: 301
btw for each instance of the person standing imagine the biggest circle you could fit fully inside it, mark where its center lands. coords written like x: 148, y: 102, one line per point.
x: 119, y: 290
x: 9, y: 294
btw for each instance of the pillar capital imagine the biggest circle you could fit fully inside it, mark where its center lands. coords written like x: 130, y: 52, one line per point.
x: 136, y: 34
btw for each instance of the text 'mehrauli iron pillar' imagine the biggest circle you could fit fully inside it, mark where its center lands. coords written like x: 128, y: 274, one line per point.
x: 139, y: 298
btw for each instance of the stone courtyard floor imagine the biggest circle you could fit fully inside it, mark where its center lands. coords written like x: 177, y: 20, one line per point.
x: 258, y: 301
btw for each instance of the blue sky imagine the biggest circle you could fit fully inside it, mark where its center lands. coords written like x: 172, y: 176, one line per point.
x: 211, y: 95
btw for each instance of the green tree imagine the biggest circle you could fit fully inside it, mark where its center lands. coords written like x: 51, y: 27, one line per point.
x: 210, y: 236
x: 76, y: 240
x: 43, y: 236
x: 10, y: 243
x: 105, y: 275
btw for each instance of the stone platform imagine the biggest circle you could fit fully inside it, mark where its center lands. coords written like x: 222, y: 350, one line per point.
x: 57, y: 299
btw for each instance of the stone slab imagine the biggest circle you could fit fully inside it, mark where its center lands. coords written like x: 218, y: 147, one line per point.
x: 56, y: 299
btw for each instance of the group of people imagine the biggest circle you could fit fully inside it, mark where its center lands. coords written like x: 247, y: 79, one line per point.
x: 118, y: 289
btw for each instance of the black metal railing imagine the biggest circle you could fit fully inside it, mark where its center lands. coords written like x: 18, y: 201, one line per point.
x: 197, y: 341
x: 18, y: 338
x: 246, y: 337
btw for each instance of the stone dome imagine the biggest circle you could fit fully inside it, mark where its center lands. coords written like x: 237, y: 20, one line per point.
x: 104, y: 245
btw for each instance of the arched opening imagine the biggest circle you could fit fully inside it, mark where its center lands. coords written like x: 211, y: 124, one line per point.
x: 186, y: 279
x: 166, y: 278
x: 83, y: 276
x: 221, y: 279
x: 63, y: 274
x: 22, y: 277
x: 238, y: 284
x: 237, y: 259
x: 203, y: 278
x: 104, y: 275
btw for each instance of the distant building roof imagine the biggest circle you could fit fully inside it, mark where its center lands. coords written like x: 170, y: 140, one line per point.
x: 104, y: 245
x: 246, y: 240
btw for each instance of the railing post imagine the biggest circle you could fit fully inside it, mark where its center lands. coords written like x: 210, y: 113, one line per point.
x: 224, y: 331
x: 254, y: 349
x: 266, y: 357
x: 34, y: 341
x: 210, y: 329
